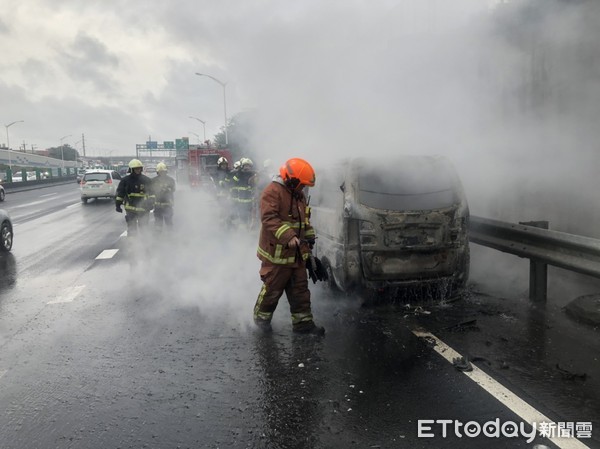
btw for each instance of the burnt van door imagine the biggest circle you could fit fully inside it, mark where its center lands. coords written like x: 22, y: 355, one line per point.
x: 326, y: 201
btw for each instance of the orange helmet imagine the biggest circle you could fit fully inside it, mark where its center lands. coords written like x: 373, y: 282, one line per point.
x: 297, y: 172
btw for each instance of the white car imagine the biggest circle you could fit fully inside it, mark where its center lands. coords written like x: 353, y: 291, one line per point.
x: 2, y: 193
x: 99, y: 184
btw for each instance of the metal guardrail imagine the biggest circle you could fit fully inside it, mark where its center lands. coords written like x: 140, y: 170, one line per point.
x: 542, y: 246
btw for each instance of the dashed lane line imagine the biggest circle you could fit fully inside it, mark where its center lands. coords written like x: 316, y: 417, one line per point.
x: 528, y: 413
x: 107, y: 254
x: 68, y: 296
x: 124, y: 234
x: 3, y: 372
x: 73, y: 205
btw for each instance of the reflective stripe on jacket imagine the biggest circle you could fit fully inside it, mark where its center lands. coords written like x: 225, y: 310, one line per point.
x: 283, y: 216
x: 241, y: 189
x: 136, y: 193
x: 163, y: 187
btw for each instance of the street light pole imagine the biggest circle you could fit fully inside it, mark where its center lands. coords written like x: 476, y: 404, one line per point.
x: 224, y: 100
x: 8, y: 143
x: 203, y: 126
x: 195, y: 134
x: 62, y: 151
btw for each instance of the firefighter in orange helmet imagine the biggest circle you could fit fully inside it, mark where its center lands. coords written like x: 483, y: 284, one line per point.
x: 285, y: 243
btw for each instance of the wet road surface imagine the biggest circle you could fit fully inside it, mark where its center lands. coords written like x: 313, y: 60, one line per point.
x: 155, y: 348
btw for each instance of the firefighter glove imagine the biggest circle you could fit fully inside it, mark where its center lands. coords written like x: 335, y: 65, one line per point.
x: 321, y: 271
x: 316, y: 270
x: 119, y: 209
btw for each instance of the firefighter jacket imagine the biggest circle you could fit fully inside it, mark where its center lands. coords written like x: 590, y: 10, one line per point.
x: 135, y: 192
x: 242, y: 186
x: 284, y: 214
x: 222, y: 181
x: 163, y: 188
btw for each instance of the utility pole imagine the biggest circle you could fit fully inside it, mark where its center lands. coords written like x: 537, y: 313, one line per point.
x: 83, y: 143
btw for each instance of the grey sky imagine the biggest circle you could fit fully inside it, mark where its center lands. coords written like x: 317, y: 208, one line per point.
x: 120, y: 71
x: 326, y: 78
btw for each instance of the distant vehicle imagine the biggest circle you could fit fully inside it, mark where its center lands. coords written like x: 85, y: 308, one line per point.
x: 202, y: 165
x: 18, y: 177
x: 99, y: 184
x: 80, y: 174
x: 392, y: 224
x: 6, y: 232
x: 2, y: 193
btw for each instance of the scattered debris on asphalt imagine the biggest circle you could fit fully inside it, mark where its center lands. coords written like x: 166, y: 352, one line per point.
x: 462, y: 364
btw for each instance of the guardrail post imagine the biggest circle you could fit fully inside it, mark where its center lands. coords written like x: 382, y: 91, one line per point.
x: 538, y: 271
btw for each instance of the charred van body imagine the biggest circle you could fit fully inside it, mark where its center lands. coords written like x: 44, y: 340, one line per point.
x: 401, y: 223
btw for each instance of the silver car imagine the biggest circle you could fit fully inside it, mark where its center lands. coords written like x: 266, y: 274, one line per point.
x: 391, y: 224
x: 2, y: 193
x: 6, y: 232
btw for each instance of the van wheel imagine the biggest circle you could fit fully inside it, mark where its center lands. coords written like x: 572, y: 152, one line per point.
x: 84, y: 200
x: 330, y: 283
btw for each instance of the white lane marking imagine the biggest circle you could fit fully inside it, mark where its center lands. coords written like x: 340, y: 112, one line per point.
x: 503, y: 394
x: 3, y: 372
x: 33, y: 203
x: 69, y: 295
x: 48, y: 194
x: 73, y: 205
x: 124, y: 234
x: 107, y: 254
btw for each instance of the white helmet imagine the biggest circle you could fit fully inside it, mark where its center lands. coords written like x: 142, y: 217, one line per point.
x: 246, y: 162
x: 222, y: 160
x: 237, y: 165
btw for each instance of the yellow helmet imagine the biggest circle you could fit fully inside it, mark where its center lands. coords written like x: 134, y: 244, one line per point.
x: 161, y: 166
x: 135, y: 163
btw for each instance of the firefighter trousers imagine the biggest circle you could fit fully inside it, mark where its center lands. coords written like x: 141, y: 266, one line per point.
x: 136, y: 220
x: 163, y: 214
x: 278, y: 279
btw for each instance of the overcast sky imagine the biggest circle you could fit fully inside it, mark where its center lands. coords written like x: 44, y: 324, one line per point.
x: 325, y: 78
x: 120, y: 71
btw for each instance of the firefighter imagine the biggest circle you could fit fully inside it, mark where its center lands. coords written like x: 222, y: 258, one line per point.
x: 285, y: 243
x: 241, y: 191
x: 134, y: 191
x: 222, y: 177
x: 222, y: 182
x: 163, y: 187
x: 236, y: 167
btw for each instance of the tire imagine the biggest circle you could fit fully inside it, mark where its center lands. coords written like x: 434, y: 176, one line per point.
x: 2, y: 195
x: 6, y: 237
x: 330, y: 284
x: 84, y: 200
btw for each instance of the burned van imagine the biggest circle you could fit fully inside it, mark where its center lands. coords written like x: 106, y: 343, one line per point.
x: 394, y: 223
